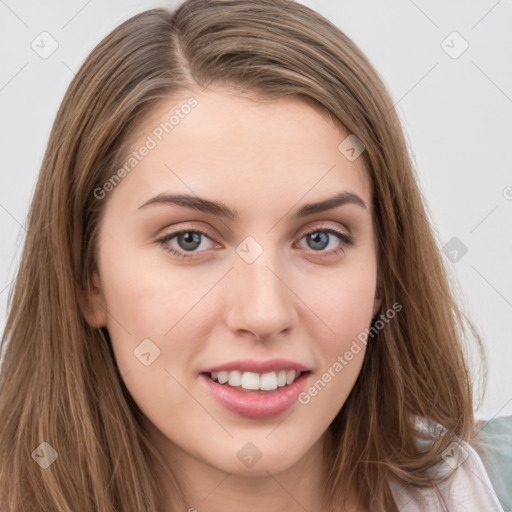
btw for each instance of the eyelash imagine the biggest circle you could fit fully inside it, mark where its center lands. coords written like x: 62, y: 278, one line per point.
x: 345, y: 242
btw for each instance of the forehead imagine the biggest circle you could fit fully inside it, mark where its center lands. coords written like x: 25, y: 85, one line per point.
x: 245, y: 146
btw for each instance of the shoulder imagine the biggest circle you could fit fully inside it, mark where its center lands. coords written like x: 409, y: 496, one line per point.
x: 467, y: 485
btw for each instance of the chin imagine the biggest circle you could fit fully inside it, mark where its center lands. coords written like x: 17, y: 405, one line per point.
x: 273, y: 464
x: 259, y: 456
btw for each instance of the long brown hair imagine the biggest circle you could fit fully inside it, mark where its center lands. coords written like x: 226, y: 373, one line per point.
x: 59, y: 383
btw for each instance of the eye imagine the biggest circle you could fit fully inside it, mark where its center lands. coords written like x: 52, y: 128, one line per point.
x: 189, y: 241
x: 321, y: 238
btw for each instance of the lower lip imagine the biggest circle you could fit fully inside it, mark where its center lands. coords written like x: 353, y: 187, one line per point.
x: 255, y: 405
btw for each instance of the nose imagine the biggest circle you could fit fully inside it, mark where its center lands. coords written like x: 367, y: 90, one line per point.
x: 260, y: 298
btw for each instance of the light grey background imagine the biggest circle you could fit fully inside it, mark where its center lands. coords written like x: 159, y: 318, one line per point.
x: 456, y: 112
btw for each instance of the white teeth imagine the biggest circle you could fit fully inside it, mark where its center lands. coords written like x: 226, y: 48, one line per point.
x: 235, y: 378
x: 268, y: 381
x: 250, y: 380
x: 255, y: 381
x: 222, y: 377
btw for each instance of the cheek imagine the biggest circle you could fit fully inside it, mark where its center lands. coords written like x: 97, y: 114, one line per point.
x: 350, y: 311
x: 340, y: 356
x: 149, y: 313
x: 157, y: 302
x: 146, y: 295
x: 344, y: 303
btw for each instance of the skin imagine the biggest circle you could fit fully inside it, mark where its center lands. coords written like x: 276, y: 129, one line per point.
x: 264, y: 159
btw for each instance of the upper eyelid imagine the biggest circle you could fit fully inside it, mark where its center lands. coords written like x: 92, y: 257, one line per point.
x: 301, y: 233
x: 316, y: 227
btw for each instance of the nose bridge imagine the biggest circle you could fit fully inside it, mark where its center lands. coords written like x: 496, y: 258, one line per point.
x: 260, y: 299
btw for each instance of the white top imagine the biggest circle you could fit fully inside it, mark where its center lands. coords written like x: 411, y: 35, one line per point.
x: 468, y: 488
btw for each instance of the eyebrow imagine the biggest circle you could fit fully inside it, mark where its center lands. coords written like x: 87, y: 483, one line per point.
x: 222, y: 210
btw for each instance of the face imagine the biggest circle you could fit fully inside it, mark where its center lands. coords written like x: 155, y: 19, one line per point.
x: 184, y: 286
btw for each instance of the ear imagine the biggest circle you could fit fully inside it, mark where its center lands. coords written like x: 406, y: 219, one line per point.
x: 93, y: 304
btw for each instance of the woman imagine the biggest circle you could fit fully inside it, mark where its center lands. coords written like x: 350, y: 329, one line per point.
x: 230, y: 296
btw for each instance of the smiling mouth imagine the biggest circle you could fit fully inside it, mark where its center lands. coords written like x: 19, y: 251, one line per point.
x: 254, y: 383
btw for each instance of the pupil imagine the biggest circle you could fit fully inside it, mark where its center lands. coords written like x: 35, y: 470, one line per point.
x: 190, y: 238
x: 320, y: 238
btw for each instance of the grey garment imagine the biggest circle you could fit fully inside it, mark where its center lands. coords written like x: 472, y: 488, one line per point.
x: 497, y: 437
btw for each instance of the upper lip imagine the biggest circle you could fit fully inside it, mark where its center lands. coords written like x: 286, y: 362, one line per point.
x: 252, y: 365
